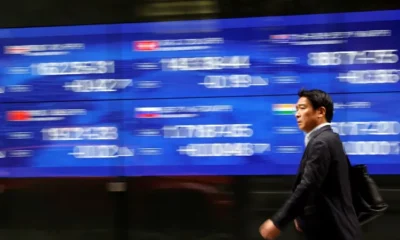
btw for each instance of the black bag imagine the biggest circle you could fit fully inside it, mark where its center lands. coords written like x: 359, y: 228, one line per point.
x: 367, y: 199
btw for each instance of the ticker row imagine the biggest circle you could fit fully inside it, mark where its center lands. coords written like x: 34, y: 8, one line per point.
x: 197, y: 136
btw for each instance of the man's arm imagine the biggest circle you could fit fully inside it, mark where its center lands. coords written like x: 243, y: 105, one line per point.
x: 315, y: 171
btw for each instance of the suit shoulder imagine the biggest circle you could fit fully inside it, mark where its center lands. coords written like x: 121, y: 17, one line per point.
x: 328, y: 137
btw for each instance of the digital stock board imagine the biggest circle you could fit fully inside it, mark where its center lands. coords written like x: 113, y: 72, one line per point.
x: 209, y: 97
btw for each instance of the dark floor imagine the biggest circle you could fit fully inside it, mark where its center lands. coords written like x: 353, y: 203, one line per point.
x: 383, y: 229
x: 223, y: 208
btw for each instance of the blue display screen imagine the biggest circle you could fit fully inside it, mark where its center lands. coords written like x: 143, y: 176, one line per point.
x: 213, y: 97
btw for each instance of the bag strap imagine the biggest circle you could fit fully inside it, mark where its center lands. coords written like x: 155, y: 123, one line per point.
x: 347, y: 156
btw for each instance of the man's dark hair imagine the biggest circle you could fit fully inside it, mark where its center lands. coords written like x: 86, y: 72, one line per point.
x: 319, y: 98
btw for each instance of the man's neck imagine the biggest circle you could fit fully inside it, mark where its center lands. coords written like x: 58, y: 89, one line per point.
x: 308, y: 135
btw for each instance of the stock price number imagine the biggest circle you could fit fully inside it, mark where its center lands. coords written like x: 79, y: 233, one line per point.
x: 353, y: 57
x: 208, y: 131
x: 372, y: 147
x: 233, y: 81
x: 101, y: 151
x: 98, y: 85
x: 73, y: 68
x: 370, y: 76
x: 224, y: 149
x: 79, y: 133
x: 205, y: 63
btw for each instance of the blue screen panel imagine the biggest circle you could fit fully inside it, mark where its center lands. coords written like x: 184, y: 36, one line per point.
x: 238, y: 136
x: 340, y: 58
x: 370, y: 130
x: 198, y: 136
x: 339, y: 53
x: 61, y: 68
x: 61, y: 139
x: 195, y: 97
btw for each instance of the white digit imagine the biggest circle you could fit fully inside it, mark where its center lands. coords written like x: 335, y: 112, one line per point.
x: 217, y: 150
x: 335, y: 58
x: 102, y: 67
x: 312, y: 59
x: 248, y: 149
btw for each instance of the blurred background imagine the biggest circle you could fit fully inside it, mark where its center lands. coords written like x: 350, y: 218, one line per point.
x: 51, y: 188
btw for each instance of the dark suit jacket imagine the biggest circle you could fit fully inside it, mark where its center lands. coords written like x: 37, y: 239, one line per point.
x: 321, y: 198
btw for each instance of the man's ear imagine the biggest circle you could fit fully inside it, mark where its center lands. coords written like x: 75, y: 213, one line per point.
x: 322, y: 111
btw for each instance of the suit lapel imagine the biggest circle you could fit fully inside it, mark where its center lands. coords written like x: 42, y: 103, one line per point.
x: 313, y: 135
x: 303, y: 158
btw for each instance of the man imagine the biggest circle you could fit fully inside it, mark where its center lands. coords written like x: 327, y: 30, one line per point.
x: 321, y: 203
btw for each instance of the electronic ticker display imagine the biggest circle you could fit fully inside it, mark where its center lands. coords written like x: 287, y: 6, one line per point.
x: 195, y: 97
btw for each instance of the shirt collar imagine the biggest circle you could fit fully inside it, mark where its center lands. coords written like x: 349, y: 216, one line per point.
x: 308, y: 135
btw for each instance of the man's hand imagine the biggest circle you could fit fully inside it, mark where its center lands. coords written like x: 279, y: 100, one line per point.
x: 269, y: 231
x: 296, y: 224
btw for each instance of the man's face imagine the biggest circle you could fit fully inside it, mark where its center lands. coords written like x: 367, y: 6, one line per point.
x: 307, y: 118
